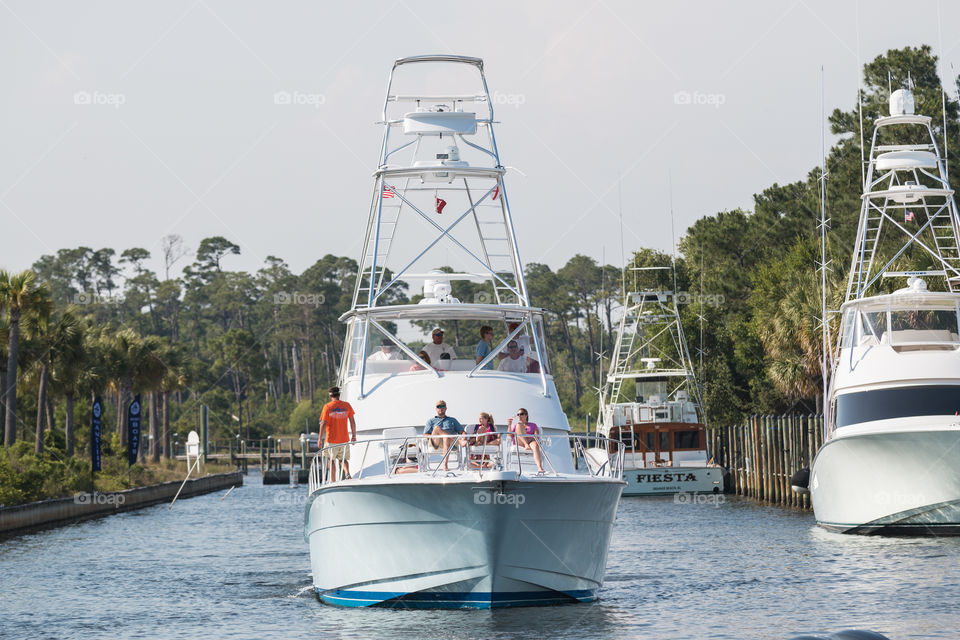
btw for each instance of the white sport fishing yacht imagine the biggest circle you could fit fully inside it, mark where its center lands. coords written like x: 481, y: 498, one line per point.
x: 651, y: 402
x: 890, y: 461
x: 459, y: 522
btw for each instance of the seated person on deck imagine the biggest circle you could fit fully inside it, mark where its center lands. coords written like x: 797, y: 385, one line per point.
x: 444, y: 425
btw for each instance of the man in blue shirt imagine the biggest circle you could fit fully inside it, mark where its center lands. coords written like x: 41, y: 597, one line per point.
x: 485, y: 346
x: 443, y: 425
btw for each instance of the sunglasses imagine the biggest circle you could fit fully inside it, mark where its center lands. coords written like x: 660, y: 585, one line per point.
x: 441, y: 406
x: 522, y: 413
x: 511, y: 346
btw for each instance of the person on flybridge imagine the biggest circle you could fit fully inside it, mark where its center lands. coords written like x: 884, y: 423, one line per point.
x: 387, y: 352
x: 438, y: 347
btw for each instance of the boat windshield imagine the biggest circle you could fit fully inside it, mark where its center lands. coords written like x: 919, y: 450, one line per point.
x: 651, y: 392
x: 455, y: 347
x: 903, y: 325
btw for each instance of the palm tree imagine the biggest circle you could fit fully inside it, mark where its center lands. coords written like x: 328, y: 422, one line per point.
x: 174, y: 379
x: 19, y: 294
x: 68, y: 370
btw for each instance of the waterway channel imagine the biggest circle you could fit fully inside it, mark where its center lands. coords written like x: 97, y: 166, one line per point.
x: 239, y: 568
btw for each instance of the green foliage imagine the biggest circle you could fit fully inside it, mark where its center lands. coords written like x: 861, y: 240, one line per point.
x: 306, y: 417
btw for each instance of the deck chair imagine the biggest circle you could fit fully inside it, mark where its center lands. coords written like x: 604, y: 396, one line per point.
x: 399, y: 452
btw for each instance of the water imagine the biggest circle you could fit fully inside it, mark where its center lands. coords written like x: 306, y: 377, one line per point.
x: 239, y: 568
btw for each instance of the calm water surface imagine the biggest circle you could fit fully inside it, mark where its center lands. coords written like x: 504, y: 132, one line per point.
x: 239, y: 568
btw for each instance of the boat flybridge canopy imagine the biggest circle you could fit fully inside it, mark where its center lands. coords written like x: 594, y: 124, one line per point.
x: 907, y: 204
x: 444, y: 312
x: 439, y: 198
x: 651, y: 352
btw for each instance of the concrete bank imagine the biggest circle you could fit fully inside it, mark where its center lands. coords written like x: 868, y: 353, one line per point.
x: 60, y: 511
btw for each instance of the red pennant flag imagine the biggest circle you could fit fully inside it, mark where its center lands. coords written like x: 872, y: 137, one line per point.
x: 496, y: 192
x: 441, y: 203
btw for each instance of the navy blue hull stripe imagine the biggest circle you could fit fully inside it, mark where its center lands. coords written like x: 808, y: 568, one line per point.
x: 443, y: 599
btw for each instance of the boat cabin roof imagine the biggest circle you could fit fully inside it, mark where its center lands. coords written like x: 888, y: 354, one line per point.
x: 446, y: 311
x: 905, y: 299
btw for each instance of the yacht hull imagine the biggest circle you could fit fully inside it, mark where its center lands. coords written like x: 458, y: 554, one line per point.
x: 895, y: 483
x: 462, y: 544
x: 662, y: 481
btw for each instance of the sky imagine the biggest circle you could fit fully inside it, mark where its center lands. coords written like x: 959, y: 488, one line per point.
x: 125, y: 122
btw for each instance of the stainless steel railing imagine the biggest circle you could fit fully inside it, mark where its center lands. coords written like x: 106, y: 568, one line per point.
x: 396, y: 456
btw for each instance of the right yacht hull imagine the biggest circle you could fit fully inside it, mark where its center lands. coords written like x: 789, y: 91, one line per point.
x: 893, y: 483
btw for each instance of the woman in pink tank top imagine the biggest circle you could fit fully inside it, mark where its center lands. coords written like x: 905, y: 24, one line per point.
x: 525, y: 428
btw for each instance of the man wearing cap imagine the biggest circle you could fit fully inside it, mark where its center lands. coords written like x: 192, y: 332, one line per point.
x: 386, y: 352
x: 336, y: 414
x: 443, y: 425
x: 438, y: 347
x: 523, y: 344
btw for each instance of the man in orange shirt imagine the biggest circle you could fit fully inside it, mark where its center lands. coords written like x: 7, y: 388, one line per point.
x: 336, y: 414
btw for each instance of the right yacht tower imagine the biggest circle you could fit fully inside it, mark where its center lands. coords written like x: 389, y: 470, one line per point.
x: 891, y: 459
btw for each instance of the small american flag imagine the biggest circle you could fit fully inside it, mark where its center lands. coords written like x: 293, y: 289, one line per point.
x: 388, y: 192
x: 908, y: 217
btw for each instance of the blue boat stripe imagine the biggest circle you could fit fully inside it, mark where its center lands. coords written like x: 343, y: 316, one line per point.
x: 441, y: 599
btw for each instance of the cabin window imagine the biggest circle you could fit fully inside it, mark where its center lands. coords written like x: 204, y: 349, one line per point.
x: 650, y: 440
x: 874, y: 324
x: 901, y: 402
x: 664, y: 441
x: 846, y: 336
x: 923, y: 326
x: 686, y: 439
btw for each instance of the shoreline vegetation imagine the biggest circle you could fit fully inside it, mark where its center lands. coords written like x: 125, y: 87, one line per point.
x: 27, y: 477
x: 258, y: 349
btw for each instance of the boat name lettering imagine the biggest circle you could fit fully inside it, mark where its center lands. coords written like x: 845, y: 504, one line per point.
x: 667, y: 477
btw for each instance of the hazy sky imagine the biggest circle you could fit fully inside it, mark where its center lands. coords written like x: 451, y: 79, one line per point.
x: 123, y: 122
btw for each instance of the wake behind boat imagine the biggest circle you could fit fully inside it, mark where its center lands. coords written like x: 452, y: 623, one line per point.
x: 651, y: 402
x: 889, y: 464
x: 453, y: 520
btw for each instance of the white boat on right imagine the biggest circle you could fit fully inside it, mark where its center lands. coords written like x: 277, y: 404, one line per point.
x: 891, y: 459
x: 650, y: 402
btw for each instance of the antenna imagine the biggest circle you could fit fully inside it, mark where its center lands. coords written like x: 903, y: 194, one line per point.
x: 863, y: 158
x: 823, y: 245
x: 623, y: 256
x: 701, y: 349
x: 673, y: 233
x: 943, y: 96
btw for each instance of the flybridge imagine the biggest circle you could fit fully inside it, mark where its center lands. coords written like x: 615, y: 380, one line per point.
x: 906, y: 197
x: 440, y: 172
x: 439, y: 198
